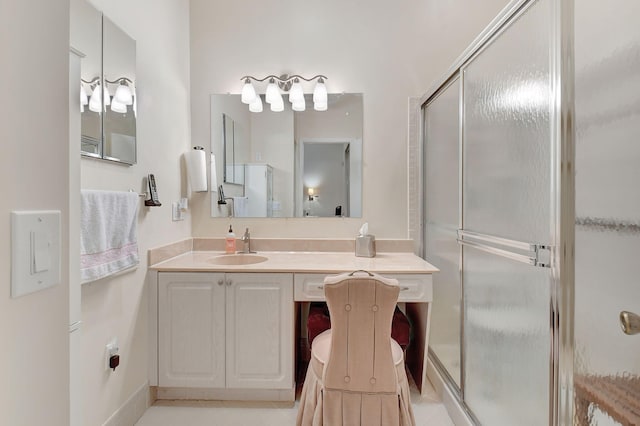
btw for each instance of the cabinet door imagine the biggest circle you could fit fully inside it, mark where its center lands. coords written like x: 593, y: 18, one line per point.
x: 191, y: 334
x: 260, y: 330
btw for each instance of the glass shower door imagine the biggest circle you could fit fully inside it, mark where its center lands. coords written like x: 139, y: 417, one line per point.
x: 507, y: 223
x: 442, y: 217
x: 607, y: 254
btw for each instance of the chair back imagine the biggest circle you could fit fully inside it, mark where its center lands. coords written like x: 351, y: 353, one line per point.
x: 361, y: 306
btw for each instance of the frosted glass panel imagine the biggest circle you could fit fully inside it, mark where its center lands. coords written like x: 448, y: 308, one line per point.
x: 506, y: 193
x: 442, y: 213
x: 507, y: 132
x: 507, y: 339
x: 607, y: 270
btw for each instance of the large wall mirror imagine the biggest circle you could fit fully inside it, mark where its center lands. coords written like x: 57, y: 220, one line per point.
x: 108, y: 96
x: 312, y: 159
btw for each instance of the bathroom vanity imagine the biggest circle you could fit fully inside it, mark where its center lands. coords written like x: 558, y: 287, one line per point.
x: 225, y: 326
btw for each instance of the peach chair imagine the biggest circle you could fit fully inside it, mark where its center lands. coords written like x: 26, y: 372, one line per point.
x: 356, y: 375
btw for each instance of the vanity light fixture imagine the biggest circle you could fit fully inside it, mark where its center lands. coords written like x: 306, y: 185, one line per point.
x: 123, y: 96
x: 286, y: 83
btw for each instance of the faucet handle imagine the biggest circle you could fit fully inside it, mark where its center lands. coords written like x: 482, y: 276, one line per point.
x: 246, y: 233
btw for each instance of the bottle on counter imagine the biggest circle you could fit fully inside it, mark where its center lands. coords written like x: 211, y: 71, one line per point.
x: 230, y: 242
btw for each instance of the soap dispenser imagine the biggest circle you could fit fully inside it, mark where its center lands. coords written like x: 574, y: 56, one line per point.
x: 230, y: 242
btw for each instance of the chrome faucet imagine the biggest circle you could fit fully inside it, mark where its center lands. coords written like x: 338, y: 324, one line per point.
x: 246, y: 242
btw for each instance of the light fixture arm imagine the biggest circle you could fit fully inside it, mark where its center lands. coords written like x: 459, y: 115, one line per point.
x: 119, y: 80
x: 90, y: 82
x: 285, y: 80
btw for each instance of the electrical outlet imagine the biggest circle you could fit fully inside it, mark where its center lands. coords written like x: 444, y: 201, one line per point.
x: 111, y: 349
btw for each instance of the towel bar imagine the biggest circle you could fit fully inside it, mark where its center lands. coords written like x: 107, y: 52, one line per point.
x: 140, y: 194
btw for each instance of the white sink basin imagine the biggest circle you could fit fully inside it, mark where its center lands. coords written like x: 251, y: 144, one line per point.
x: 237, y: 259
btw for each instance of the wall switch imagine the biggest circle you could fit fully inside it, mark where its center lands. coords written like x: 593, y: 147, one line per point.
x: 176, y: 212
x: 35, y: 251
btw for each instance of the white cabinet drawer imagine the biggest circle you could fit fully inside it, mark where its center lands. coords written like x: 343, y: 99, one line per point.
x: 308, y: 287
x: 413, y: 287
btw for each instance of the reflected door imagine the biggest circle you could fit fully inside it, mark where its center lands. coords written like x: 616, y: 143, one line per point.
x: 607, y: 268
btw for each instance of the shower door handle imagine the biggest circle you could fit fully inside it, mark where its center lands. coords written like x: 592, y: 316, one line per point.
x: 630, y: 322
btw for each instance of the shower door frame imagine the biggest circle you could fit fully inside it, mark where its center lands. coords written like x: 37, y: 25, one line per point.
x: 562, y: 257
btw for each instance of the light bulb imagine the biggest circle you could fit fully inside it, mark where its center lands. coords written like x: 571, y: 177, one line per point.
x: 299, y: 105
x: 319, y: 106
x: 95, y: 102
x: 277, y: 106
x: 296, y: 94
x: 248, y: 92
x: 84, y: 99
x: 320, y: 92
x: 118, y: 106
x: 123, y: 94
x: 107, y: 97
x: 256, y: 105
x: 273, y: 93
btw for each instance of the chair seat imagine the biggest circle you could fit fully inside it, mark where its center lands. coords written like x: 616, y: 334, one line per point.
x: 321, y: 348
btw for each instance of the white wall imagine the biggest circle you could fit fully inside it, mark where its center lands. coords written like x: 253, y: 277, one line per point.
x: 117, y: 307
x: 387, y: 51
x: 272, y: 142
x: 34, y: 163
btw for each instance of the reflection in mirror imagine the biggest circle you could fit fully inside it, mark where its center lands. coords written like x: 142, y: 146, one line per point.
x: 326, y: 170
x: 278, y: 157
x: 107, y: 95
x: 86, y: 36
x: 119, y: 53
x: 233, y: 161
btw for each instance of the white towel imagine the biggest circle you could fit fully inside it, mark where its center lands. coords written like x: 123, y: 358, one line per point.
x: 108, y: 239
x: 241, y: 206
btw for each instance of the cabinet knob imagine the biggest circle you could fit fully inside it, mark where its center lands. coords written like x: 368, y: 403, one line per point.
x: 220, y: 281
x: 229, y: 282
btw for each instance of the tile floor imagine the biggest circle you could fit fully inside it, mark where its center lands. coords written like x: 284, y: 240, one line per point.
x: 428, y: 410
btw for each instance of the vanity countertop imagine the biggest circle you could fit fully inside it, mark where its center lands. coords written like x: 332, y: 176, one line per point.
x: 301, y: 262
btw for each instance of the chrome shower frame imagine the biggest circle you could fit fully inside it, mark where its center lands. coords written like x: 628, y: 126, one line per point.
x: 562, y: 235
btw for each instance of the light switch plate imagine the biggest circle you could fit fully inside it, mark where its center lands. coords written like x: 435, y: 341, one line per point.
x: 176, y: 212
x: 35, y: 251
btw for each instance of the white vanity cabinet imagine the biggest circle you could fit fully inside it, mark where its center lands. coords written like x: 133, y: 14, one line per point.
x: 225, y: 330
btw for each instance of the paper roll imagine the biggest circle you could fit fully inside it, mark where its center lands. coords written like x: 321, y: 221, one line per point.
x: 197, y: 169
x: 214, y: 175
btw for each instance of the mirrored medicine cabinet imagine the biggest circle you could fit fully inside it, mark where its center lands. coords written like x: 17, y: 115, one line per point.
x: 108, y: 75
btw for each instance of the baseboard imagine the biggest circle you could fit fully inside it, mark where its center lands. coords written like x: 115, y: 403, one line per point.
x: 457, y: 413
x: 226, y: 394
x: 133, y: 408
